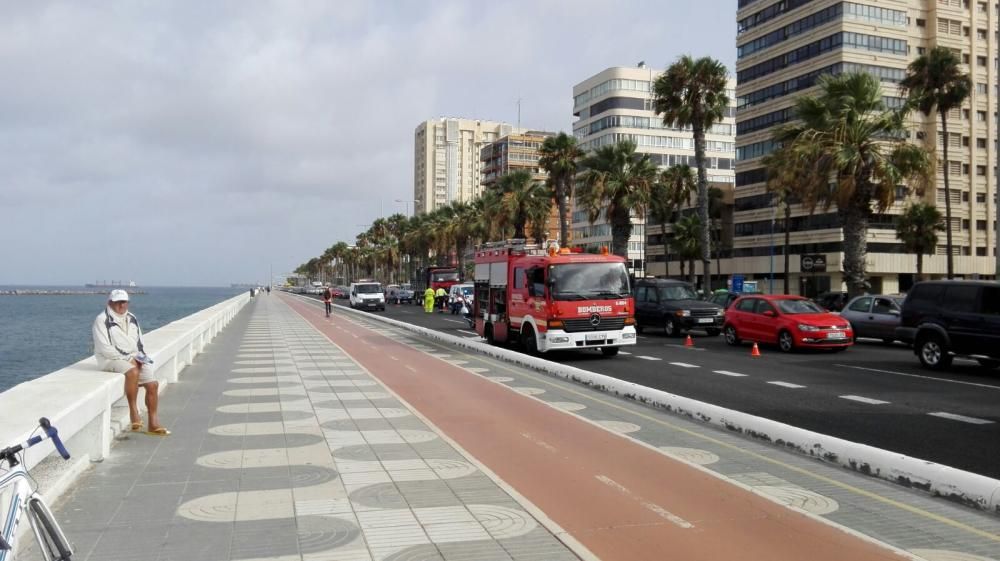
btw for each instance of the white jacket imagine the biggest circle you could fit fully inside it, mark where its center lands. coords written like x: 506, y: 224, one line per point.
x: 116, y: 337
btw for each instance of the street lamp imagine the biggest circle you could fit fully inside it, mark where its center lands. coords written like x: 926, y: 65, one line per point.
x: 406, y: 203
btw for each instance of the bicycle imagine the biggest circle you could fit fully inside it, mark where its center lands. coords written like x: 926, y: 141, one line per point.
x: 24, y: 500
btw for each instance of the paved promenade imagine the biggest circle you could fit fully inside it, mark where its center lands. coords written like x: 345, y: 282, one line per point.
x: 298, y: 437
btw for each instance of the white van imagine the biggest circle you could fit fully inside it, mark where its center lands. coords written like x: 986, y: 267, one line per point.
x: 459, y: 294
x: 367, y: 295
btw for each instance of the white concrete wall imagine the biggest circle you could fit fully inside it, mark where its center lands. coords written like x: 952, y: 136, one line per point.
x: 88, y: 406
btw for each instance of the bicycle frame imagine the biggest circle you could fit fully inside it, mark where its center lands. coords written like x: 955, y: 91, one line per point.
x: 25, y: 501
x: 17, y: 480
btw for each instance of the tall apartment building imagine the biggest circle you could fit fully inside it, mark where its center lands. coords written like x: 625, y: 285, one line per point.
x: 616, y: 104
x: 446, y: 160
x: 782, y: 48
x: 518, y: 152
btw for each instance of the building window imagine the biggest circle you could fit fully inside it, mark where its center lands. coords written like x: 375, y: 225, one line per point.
x: 965, y: 223
x: 981, y: 171
x: 981, y: 225
x: 965, y: 196
x: 980, y: 197
x: 980, y: 252
x: 981, y: 116
x: 981, y: 143
x: 921, y: 22
x: 965, y: 114
x: 981, y: 34
x: 965, y: 168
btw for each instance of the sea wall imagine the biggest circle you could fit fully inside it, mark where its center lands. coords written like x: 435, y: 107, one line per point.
x: 88, y: 406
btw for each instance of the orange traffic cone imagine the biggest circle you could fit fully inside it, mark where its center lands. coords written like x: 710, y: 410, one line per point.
x: 755, y: 351
x: 688, y: 342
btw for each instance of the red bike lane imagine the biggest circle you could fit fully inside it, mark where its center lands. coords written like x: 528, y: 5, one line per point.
x: 621, y: 500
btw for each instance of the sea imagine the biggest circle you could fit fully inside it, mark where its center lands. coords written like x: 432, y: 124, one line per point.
x: 40, y: 334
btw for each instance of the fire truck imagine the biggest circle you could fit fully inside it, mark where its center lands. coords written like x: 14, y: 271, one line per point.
x: 434, y: 277
x: 547, y: 298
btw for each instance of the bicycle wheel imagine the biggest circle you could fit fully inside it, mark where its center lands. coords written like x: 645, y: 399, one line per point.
x: 50, y: 537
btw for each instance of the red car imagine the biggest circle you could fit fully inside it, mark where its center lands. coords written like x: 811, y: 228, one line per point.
x: 791, y: 322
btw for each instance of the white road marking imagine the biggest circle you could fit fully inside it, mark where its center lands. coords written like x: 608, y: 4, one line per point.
x: 455, y: 320
x: 685, y: 365
x: 728, y: 373
x: 644, y: 357
x: 867, y: 400
x: 919, y: 376
x: 623, y: 353
x: 659, y: 510
x: 962, y: 418
x: 469, y: 332
x: 539, y: 442
x: 786, y: 385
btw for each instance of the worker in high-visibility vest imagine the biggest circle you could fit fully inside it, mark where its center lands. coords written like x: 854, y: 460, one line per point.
x: 442, y: 299
x: 429, y: 300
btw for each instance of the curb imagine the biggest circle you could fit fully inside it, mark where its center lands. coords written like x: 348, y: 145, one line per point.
x: 969, y: 489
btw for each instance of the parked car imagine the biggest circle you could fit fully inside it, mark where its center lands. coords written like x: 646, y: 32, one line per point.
x: 875, y: 316
x: 397, y: 294
x: 945, y: 319
x: 344, y: 291
x: 832, y: 301
x: 725, y: 298
x: 791, y: 322
x: 674, y: 306
x: 338, y: 292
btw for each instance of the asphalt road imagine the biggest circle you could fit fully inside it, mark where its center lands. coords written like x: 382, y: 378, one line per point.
x: 872, y: 393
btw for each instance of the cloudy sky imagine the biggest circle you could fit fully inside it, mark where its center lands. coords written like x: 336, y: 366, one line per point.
x: 204, y: 142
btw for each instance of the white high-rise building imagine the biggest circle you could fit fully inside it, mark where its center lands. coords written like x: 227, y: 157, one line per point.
x: 446, y: 160
x: 616, y: 104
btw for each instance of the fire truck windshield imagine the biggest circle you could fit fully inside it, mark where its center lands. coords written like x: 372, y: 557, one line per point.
x: 445, y: 276
x: 588, y: 281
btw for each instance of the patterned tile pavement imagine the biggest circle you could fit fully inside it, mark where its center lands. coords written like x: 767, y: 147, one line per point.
x: 285, y: 449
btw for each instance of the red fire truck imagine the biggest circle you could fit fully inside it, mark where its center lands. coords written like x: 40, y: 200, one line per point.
x: 434, y: 277
x: 552, y: 299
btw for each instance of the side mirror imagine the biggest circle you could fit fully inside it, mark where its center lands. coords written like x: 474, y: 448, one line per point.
x: 893, y: 312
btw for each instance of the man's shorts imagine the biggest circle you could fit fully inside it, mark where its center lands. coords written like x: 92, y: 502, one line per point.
x: 123, y: 366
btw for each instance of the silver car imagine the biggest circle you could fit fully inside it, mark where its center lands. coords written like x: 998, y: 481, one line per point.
x: 874, y: 315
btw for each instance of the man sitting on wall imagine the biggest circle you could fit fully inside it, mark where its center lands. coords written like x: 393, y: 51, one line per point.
x: 118, y: 348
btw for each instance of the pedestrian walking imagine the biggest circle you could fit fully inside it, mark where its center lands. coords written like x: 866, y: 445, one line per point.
x: 118, y: 348
x: 429, y: 300
x: 328, y: 300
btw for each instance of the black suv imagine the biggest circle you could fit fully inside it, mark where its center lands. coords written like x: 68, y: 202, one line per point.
x: 944, y: 319
x: 674, y: 306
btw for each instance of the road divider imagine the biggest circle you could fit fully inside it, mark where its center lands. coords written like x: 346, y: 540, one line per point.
x: 969, y: 489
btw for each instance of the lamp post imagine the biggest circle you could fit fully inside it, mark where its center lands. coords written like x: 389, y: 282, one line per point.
x: 406, y: 207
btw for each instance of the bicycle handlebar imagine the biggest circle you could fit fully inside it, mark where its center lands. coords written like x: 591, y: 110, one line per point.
x: 53, y: 434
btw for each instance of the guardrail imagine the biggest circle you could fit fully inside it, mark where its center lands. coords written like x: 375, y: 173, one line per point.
x: 970, y: 489
x: 88, y: 406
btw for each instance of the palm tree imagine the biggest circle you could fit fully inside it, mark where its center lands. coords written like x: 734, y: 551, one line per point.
x: 716, y: 206
x: 692, y: 93
x: 617, y: 181
x: 917, y: 229
x: 559, y: 157
x: 781, y: 182
x: 524, y: 200
x: 674, y: 189
x: 687, y: 237
x: 849, y: 150
x: 936, y: 83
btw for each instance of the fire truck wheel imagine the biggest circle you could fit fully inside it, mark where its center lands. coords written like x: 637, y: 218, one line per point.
x: 488, y: 334
x: 609, y: 351
x: 528, y: 341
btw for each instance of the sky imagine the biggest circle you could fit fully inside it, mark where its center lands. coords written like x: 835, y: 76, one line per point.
x: 203, y: 143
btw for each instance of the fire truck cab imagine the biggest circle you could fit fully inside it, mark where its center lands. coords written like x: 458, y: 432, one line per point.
x: 546, y: 298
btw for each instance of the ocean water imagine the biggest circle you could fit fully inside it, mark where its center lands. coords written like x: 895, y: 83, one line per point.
x: 41, y: 334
